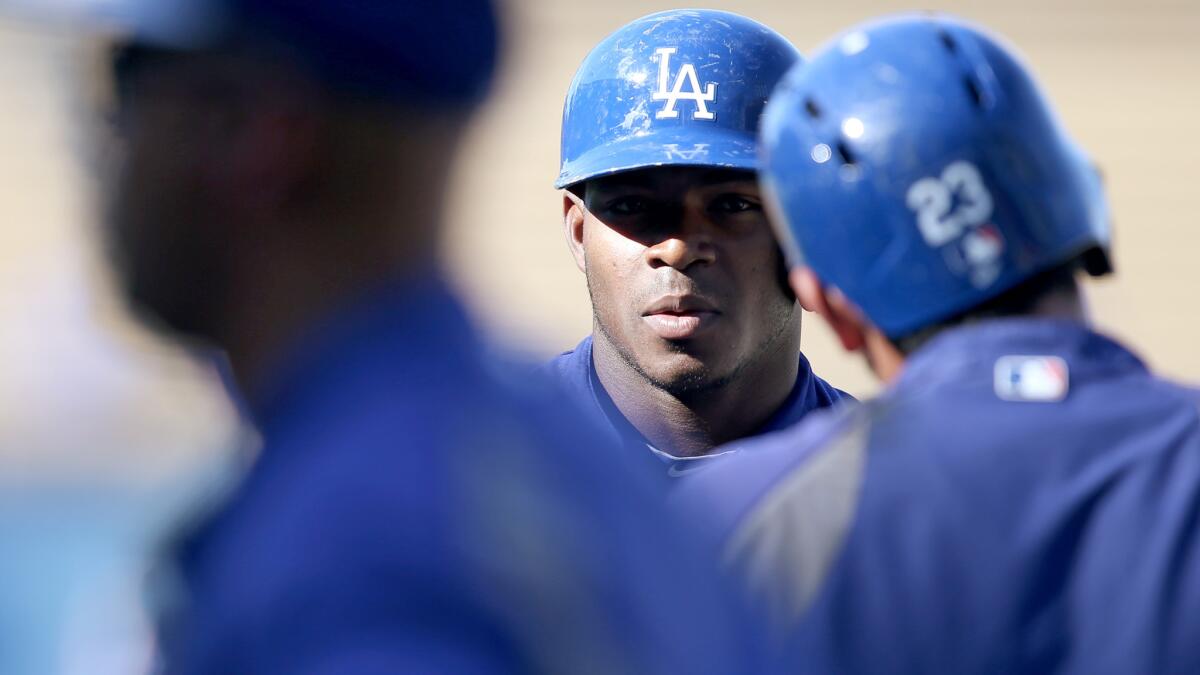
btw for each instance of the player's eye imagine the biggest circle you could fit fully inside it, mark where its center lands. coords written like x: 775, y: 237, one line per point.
x: 630, y: 205
x: 727, y: 204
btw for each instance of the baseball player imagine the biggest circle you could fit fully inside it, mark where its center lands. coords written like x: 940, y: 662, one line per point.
x: 1023, y: 497
x: 696, y: 336
x: 413, y: 509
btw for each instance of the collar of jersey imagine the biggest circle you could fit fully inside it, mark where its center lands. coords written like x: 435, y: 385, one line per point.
x: 788, y: 413
x: 963, y: 351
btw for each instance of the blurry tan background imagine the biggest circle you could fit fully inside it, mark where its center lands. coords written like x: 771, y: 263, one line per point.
x: 74, y: 372
x: 1125, y: 76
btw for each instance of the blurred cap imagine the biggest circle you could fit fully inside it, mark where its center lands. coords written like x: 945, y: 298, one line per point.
x: 441, y: 51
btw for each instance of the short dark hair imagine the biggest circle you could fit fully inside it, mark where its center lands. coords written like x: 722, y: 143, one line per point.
x: 1019, y: 300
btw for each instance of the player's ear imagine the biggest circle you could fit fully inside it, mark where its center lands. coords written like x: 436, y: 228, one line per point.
x: 807, y: 288
x: 573, y: 217
x: 269, y: 156
x: 842, y: 316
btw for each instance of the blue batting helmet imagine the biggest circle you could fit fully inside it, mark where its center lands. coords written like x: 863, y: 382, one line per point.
x: 914, y: 164
x: 682, y: 87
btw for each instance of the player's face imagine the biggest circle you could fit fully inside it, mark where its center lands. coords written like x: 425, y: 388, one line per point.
x: 166, y: 244
x: 686, y: 280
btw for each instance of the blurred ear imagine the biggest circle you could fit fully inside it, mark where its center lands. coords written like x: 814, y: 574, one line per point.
x: 574, y: 213
x: 807, y: 288
x: 835, y: 308
x: 266, y: 154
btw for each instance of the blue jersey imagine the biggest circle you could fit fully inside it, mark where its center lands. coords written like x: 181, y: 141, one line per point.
x: 416, y: 509
x: 1026, y: 498
x: 575, y: 371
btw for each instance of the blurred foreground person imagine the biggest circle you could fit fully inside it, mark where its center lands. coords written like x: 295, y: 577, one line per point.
x: 414, y: 508
x: 696, y: 335
x: 1024, y: 496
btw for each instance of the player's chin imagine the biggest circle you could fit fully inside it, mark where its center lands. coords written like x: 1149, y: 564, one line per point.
x: 708, y: 348
x: 682, y: 373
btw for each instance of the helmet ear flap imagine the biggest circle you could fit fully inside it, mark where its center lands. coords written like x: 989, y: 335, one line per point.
x: 1096, y: 262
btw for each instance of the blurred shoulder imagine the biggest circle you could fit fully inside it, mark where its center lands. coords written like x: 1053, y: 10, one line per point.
x: 572, y: 366
x: 1185, y: 393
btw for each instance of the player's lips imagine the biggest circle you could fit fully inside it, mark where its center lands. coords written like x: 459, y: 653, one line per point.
x: 679, y: 317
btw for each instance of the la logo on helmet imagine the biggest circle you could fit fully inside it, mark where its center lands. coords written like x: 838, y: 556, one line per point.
x: 687, y: 74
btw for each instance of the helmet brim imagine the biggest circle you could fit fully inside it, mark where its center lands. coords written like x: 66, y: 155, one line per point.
x: 686, y: 146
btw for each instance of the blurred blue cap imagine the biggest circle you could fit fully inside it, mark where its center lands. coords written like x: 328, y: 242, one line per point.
x: 434, y: 51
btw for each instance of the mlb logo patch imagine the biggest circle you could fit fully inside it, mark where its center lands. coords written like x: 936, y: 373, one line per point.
x: 1031, y: 378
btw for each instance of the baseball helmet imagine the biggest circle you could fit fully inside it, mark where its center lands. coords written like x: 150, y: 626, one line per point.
x: 914, y: 164
x: 682, y: 87
x: 378, y: 47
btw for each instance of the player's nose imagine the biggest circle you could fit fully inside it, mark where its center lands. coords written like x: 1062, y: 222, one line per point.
x: 690, y: 243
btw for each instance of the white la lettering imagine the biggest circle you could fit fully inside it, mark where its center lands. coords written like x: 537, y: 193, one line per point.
x: 686, y: 74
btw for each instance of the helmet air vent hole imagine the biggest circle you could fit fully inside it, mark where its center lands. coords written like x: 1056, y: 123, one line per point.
x: 975, y: 93
x: 811, y: 107
x: 948, y: 41
x: 844, y: 153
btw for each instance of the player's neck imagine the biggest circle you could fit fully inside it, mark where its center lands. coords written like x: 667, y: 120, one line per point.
x: 694, y: 424
x: 887, y: 362
x: 1064, y: 305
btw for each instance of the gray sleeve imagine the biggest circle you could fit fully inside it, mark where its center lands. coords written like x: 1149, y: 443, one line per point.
x: 786, y: 544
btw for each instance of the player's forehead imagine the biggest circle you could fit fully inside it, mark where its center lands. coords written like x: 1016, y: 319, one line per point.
x: 671, y: 180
